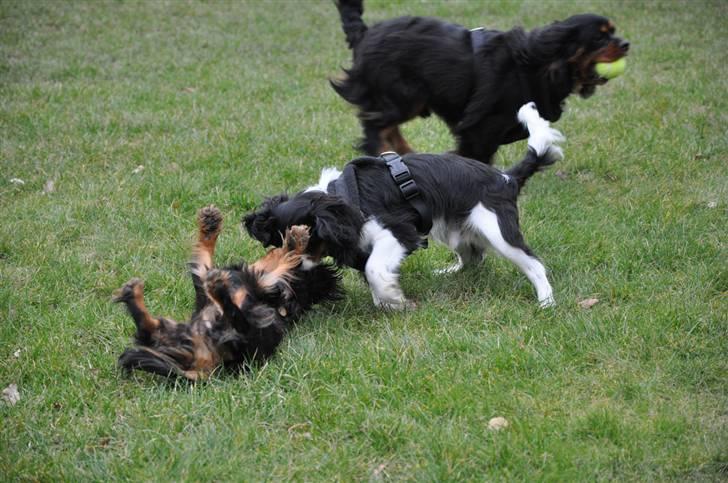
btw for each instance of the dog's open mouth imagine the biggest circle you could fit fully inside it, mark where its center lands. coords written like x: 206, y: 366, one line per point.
x: 589, y: 79
x: 611, y: 53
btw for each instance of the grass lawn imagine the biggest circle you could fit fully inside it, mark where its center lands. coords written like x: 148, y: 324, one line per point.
x: 227, y: 102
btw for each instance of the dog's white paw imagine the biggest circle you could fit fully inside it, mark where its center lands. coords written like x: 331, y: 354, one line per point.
x: 547, y: 302
x: 454, y: 268
x: 397, y: 305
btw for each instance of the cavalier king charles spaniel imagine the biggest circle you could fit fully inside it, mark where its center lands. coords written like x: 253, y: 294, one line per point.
x: 241, y: 312
x: 474, y: 80
x: 364, y: 219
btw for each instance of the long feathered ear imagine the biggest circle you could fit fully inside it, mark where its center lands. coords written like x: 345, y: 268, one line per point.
x: 556, y: 41
x: 338, y: 225
x: 262, y: 224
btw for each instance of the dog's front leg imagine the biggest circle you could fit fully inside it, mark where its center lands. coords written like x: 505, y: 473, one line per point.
x: 132, y: 294
x: 382, y: 272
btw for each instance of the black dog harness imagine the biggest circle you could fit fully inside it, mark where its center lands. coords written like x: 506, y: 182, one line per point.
x: 401, y: 175
x: 347, y: 187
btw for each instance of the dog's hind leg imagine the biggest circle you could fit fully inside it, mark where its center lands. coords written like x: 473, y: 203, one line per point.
x: 467, y: 254
x: 209, y: 224
x: 467, y: 249
x: 486, y: 223
x: 373, y: 143
x: 392, y: 137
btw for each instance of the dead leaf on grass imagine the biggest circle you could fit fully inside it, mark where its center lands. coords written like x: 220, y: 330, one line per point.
x: 378, y: 472
x: 301, y: 430
x: 561, y: 174
x: 11, y: 395
x: 138, y: 169
x: 17, y: 181
x: 497, y: 423
x: 588, y: 303
x: 49, y: 186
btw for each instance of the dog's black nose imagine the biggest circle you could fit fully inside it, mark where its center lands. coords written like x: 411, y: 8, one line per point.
x: 624, y: 45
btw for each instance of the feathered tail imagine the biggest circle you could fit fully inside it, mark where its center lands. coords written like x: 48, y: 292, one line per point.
x: 543, y: 150
x: 354, y: 27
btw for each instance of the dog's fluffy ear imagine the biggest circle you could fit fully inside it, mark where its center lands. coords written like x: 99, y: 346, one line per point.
x: 557, y: 41
x: 262, y: 224
x: 338, y: 225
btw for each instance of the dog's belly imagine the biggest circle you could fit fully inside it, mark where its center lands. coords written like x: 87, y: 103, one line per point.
x: 453, y: 234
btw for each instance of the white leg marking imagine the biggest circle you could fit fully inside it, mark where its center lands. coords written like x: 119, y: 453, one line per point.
x: 382, y: 267
x: 541, y: 137
x: 486, y: 222
x: 327, y: 176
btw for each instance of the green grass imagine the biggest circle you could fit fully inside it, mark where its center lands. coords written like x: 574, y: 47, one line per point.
x: 228, y: 102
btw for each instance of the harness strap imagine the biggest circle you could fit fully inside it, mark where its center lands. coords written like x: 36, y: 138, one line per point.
x: 346, y: 186
x: 403, y: 178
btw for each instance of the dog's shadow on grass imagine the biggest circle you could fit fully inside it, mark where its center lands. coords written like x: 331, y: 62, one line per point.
x: 491, y: 279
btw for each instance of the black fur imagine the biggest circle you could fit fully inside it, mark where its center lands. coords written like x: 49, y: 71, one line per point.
x: 451, y: 185
x: 241, y: 312
x: 413, y: 66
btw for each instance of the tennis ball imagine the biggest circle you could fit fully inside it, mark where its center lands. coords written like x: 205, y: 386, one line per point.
x: 610, y: 70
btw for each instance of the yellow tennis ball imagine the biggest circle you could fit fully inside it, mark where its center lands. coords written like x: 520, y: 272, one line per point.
x: 610, y: 70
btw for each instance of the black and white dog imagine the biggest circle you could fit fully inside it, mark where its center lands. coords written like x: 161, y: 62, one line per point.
x: 473, y: 207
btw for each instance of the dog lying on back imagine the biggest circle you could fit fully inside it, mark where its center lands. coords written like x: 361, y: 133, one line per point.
x: 473, y: 80
x: 241, y: 312
x: 472, y: 206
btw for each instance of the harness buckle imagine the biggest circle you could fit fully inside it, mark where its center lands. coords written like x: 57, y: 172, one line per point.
x: 409, y: 189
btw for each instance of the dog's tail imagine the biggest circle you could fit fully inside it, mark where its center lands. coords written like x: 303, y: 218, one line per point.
x: 354, y: 27
x: 150, y: 360
x: 543, y: 150
x: 169, y: 362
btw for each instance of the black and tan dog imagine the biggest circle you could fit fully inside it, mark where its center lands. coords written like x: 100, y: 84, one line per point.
x: 473, y: 80
x: 241, y: 312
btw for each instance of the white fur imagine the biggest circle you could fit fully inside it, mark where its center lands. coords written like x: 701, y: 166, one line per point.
x: 486, y: 223
x: 382, y: 266
x: 327, y: 176
x: 541, y: 137
x: 307, y: 263
x: 459, y: 239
